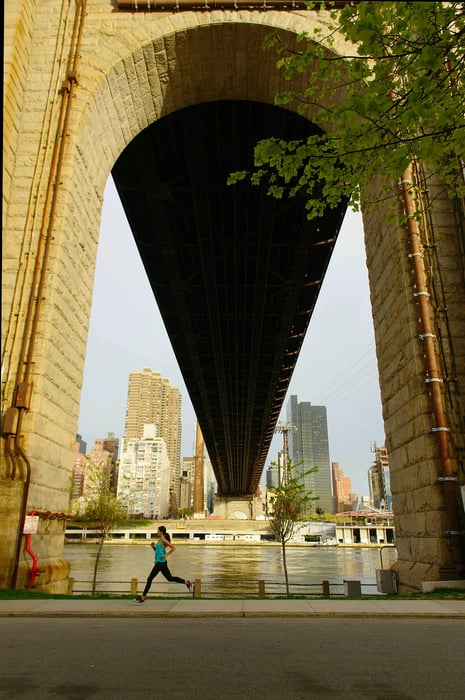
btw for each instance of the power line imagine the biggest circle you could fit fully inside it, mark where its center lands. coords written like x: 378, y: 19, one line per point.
x: 368, y: 350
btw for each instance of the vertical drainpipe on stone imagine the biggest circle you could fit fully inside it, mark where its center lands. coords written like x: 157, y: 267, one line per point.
x: 433, y: 380
x: 23, y: 386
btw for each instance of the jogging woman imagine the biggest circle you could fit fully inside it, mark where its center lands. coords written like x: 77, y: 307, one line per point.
x: 162, y: 548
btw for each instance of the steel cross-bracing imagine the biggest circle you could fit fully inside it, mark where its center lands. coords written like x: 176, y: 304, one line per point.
x: 236, y: 273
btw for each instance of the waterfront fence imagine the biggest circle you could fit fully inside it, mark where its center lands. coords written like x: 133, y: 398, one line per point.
x: 219, y: 588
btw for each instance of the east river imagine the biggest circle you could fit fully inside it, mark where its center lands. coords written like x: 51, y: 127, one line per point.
x: 228, y: 568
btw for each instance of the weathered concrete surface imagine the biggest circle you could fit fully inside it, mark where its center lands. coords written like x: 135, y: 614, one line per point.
x: 188, y: 607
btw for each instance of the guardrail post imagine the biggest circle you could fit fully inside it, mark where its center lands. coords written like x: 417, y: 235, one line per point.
x: 70, y: 586
x: 261, y: 589
x: 134, y: 583
x: 325, y: 585
x: 198, y: 588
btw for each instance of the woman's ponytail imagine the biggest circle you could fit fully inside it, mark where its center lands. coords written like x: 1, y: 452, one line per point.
x: 165, y: 534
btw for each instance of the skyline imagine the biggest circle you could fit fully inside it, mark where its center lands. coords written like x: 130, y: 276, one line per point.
x: 126, y: 333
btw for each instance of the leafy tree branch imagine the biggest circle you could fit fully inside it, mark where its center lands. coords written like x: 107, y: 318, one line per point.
x: 397, y: 97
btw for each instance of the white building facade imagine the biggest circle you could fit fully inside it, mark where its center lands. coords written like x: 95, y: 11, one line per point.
x: 144, y: 475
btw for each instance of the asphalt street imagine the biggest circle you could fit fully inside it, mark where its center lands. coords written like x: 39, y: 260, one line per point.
x: 232, y: 659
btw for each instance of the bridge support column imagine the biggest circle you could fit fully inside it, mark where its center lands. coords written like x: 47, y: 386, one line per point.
x: 237, y: 508
x: 425, y: 454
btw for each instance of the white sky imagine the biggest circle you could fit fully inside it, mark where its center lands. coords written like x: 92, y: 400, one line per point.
x: 336, y: 367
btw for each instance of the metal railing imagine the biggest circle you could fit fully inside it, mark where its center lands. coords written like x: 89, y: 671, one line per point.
x: 219, y: 588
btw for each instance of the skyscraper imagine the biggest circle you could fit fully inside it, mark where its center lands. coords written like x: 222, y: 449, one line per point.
x: 153, y: 401
x: 143, y: 479
x: 308, y: 448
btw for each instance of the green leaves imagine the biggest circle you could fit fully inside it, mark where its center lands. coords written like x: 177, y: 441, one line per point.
x: 289, y: 502
x: 398, y: 97
x: 101, y: 505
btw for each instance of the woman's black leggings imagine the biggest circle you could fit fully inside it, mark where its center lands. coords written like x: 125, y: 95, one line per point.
x: 163, y: 567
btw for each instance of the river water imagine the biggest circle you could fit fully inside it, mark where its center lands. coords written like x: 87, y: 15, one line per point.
x: 229, y: 569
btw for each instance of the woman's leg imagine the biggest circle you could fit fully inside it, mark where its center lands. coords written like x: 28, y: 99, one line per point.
x: 169, y: 576
x: 150, y: 578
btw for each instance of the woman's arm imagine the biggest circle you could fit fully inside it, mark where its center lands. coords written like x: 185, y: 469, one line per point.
x: 168, y: 546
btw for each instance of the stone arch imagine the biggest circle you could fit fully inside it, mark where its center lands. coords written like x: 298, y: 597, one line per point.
x: 180, y: 64
x: 123, y: 87
x: 133, y: 69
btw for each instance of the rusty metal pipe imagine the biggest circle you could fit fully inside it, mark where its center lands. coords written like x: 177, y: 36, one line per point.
x: 60, y: 142
x: 422, y: 298
x: 40, y: 268
x: 433, y: 376
x: 24, y: 498
x: 35, y: 571
x: 44, y: 235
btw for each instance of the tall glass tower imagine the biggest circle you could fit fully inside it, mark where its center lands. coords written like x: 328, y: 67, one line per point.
x: 308, y: 448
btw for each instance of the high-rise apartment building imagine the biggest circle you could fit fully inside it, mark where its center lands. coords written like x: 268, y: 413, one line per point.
x: 81, y: 444
x: 309, y: 448
x: 379, y: 479
x: 152, y: 400
x: 186, y: 492
x: 187, y: 484
x: 87, y: 470
x: 275, y: 473
x: 273, y: 476
x: 111, y: 445
x: 144, y: 475
x: 79, y: 471
x: 210, y: 485
x: 342, y: 489
x: 105, y: 450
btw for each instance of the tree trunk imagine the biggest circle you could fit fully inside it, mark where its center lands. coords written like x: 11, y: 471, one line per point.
x: 286, y: 578
x: 97, y: 559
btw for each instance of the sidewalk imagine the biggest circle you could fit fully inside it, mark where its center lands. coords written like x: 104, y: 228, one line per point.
x: 233, y: 608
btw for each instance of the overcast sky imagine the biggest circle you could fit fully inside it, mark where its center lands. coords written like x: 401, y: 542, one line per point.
x: 336, y: 367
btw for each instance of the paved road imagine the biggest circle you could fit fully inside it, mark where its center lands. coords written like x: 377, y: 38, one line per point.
x: 232, y: 659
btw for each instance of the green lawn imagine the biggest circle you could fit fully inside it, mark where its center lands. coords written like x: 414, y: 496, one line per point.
x: 440, y: 594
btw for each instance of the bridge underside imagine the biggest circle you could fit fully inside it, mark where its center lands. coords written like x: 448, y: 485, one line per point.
x: 236, y: 273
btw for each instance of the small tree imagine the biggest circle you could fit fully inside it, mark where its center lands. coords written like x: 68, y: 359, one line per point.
x: 288, y: 502
x: 102, y: 509
x: 185, y: 512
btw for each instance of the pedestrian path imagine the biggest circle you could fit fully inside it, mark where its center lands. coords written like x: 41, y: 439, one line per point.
x: 232, y: 608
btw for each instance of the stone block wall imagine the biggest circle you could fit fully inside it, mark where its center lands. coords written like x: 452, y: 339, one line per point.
x: 425, y: 551
x: 133, y: 68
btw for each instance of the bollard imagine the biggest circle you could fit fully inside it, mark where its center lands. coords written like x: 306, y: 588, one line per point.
x: 198, y: 588
x: 325, y: 585
x: 261, y: 589
x: 134, y: 584
x: 70, y: 586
